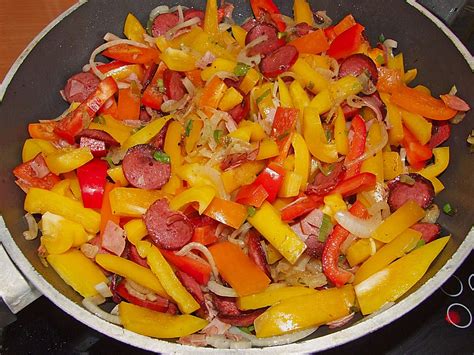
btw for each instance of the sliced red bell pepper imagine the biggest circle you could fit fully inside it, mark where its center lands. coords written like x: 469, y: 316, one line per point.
x: 205, y: 235
x: 152, y: 96
x: 347, y: 42
x: 92, y: 177
x: 109, y: 108
x: 282, y: 129
x: 417, y: 153
x: 330, y: 33
x: 355, y: 184
x: 132, y: 54
x: 199, y: 270
x: 77, y: 120
x: 115, y: 64
x: 35, y: 173
x: 161, y: 304
x: 252, y: 195
x: 343, y: 25
x: 330, y: 257
x: 441, y: 133
x: 271, y: 179
x: 300, y: 207
x: 357, y: 145
x: 262, y: 8
x: 44, y: 130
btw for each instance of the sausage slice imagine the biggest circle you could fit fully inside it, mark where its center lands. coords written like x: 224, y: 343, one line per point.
x: 278, y: 61
x: 80, y: 86
x: 421, y: 191
x: 269, y: 45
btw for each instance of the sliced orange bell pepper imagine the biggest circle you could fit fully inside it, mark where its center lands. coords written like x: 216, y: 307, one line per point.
x: 212, y: 93
x: 43, y: 130
x: 343, y: 25
x: 230, y: 213
x: 199, y: 270
x: 195, y: 77
x: 204, y: 235
x: 417, y: 154
x: 389, y: 79
x: 313, y: 42
x: 238, y: 269
x: 106, y: 211
x: 129, y: 103
x: 132, y: 54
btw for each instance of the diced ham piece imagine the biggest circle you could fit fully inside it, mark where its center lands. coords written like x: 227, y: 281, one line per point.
x: 113, y: 238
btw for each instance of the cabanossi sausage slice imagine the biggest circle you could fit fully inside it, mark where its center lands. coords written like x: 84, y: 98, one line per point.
x: 421, y: 191
x: 357, y: 64
x: 99, y: 136
x: 162, y: 23
x: 142, y: 170
x: 167, y: 229
x: 175, y: 89
x: 278, y: 61
x: 269, y: 45
x: 80, y: 86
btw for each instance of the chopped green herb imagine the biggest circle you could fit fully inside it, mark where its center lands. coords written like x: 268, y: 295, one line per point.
x: 162, y: 157
x: 99, y: 119
x: 325, y: 229
x: 282, y: 35
x: 218, y: 135
x: 149, y: 26
x: 188, y: 128
x: 328, y: 134
x: 381, y: 38
x: 420, y: 243
x: 109, y: 161
x: 241, y: 69
x: 264, y: 95
x: 251, y: 211
x: 449, y: 210
x: 248, y: 329
x: 161, y: 86
x: 380, y: 59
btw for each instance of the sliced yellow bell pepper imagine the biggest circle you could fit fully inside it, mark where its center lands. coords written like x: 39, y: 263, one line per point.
x: 291, y: 185
x: 402, y: 244
x: 62, y: 188
x: 145, y: 134
x: 228, y: 212
x: 203, y: 195
x: 132, y: 202
x: 315, y: 138
x: 115, y: 128
x: 249, y: 81
x: 302, y: 158
x: 135, y: 230
x: 417, y: 124
x: 178, y: 60
x: 334, y: 203
x: 256, y: 131
x: 241, y: 175
x: 65, y: 160
x: 305, y: 311
x: 157, y: 324
x: 302, y: 12
x: 309, y: 77
x: 56, y: 226
x: 289, y: 162
x: 218, y: 65
x: 299, y: 97
x: 284, y: 93
x: 230, y: 99
x: 410, y: 75
x: 316, y: 60
x: 169, y: 281
x: 268, y: 149
x: 172, y: 145
x: 198, y: 175
x: 394, y: 119
x: 437, y: 184
x: 396, y: 62
x: 133, y: 29
x: 132, y: 271
x: 392, y: 165
x: 116, y: 174
x: 322, y: 102
x: 74, y: 184
x: 33, y: 146
x: 272, y: 254
x: 173, y: 186
x: 340, y: 134
x: 398, y: 221
x: 239, y: 34
x: 374, y: 164
x: 390, y: 283
x: 210, y: 17
x: 79, y: 272
x: 242, y: 133
x: 261, y: 97
x: 191, y: 140
x: 42, y: 201
x: 344, y: 87
x: 272, y: 295
x: 268, y: 222
x: 56, y: 245
x: 361, y: 250
x: 441, y: 155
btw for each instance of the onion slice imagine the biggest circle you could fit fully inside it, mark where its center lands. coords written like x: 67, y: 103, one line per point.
x: 276, y: 340
x: 32, y: 231
x: 221, y: 290
x: 91, y: 304
x: 363, y: 228
x: 198, y: 246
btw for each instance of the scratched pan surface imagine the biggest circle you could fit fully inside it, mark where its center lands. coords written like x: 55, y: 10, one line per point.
x: 33, y: 94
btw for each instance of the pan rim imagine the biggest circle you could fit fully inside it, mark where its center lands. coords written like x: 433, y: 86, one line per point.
x: 364, y: 327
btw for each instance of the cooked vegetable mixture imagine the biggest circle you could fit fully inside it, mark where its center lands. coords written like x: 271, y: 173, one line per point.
x: 240, y: 185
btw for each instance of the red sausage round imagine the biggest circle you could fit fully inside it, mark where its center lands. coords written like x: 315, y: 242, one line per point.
x: 175, y: 89
x: 240, y: 111
x: 278, y: 61
x: 162, y: 23
x: 269, y: 45
x: 191, y: 13
x: 167, y: 229
x: 80, y: 86
x: 422, y: 192
x: 98, y: 135
x: 429, y: 231
x: 356, y: 64
x: 142, y: 170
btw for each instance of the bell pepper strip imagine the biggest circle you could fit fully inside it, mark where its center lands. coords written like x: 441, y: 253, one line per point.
x: 195, y: 77
x: 284, y: 94
x: 114, y: 127
x: 440, y: 134
x: 257, y: 133
x: 230, y: 213
x: 330, y: 257
x: 44, y: 131
x: 314, y: 43
x: 390, y: 283
x: 356, y: 146
x: 417, y: 154
x: 28, y: 176
x: 267, y: 221
x: 392, y: 165
x: 111, y: 66
x: 231, y: 98
x: 204, y: 235
x: 394, y: 120
x: 135, y: 230
x: 389, y: 80
x: 241, y: 175
x: 160, y: 304
x: 73, y: 184
x: 361, y: 250
x: 79, y: 272
x: 344, y: 87
x: 249, y: 81
x: 173, y: 287
x: 42, y: 201
x: 398, y: 247
x: 56, y: 226
x: 300, y: 207
x: 271, y: 179
x: 252, y: 195
x: 299, y: 96
x: 157, y: 324
x: 153, y: 94
x: 106, y: 211
x: 75, y: 121
x: 145, y: 134
x: 66, y: 159
x: 343, y: 25
x: 58, y: 244
x: 399, y: 221
x: 199, y: 270
x: 193, y: 128
x: 346, y: 43
x: 203, y: 195
x: 133, y: 29
x: 302, y: 12
x: 211, y: 18
x: 355, y: 184
x: 421, y: 103
x: 272, y: 295
x: 117, y: 175
x: 218, y: 65
x: 268, y: 148
x: 172, y: 144
x: 132, y: 202
x: 178, y: 60
x: 262, y: 8
x: 418, y: 125
x: 332, y: 204
x: 340, y: 135
x: 247, y: 278
x: 310, y: 78
x: 131, y: 271
x: 291, y: 185
x: 132, y: 54
x: 283, y: 124
x: 92, y: 178
x: 292, y: 314
x: 129, y: 103
x: 212, y: 93
x: 441, y: 156
x: 239, y: 34
x: 33, y: 146
x: 122, y: 71
x: 374, y: 164
x: 315, y: 138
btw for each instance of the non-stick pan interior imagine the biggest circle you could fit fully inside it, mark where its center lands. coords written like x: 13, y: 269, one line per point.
x: 33, y: 94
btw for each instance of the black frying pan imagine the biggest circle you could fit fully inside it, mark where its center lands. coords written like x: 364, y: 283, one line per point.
x: 33, y: 94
